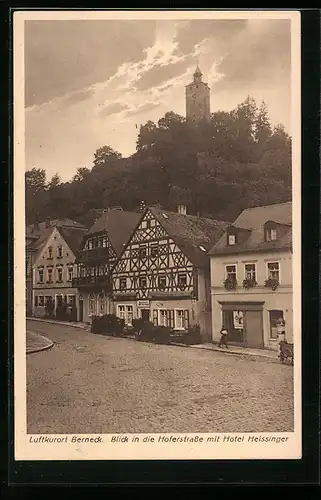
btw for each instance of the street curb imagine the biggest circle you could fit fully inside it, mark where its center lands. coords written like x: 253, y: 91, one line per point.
x: 48, y: 344
x: 248, y: 355
x: 53, y: 322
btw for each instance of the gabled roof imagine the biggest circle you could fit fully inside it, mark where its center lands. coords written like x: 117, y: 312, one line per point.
x: 118, y: 224
x: 195, y: 236
x: 35, y: 230
x: 73, y: 237
x: 253, y: 219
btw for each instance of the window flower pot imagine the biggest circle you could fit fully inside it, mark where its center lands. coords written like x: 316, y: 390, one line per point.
x: 230, y: 284
x: 249, y: 283
x: 271, y: 283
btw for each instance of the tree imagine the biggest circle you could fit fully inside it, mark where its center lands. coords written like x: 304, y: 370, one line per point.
x: 55, y: 181
x: 105, y: 155
x: 81, y: 174
x: 36, y: 179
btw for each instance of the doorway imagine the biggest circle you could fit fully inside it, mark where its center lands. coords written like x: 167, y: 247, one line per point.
x: 254, y: 329
x: 145, y: 314
x: 81, y: 310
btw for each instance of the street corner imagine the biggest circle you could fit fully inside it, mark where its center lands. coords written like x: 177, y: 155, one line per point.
x: 36, y: 342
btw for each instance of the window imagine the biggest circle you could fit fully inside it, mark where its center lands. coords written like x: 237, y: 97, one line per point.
x: 122, y: 283
x: 275, y: 319
x: 92, y: 304
x: 182, y: 280
x: 154, y: 251
x: 273, y: 271
x: 49, y: 274
x: 270, y: 234
x: 121, y: 312
x: 59, y: 274
x: 99, y: 242
x: 129, y: 315
x: 142, y: 282
x: 49, y: 252
x: 70, y: 273
x: 148, y: 223
x: 250, y: 272
x: 231, y: 272
x: 179, y: 319
x: 105, y: 241
x: 90, y: 244
x: 142, y: 252
x: 41, y: 301
x: 59, y: 252
x: 163, y: 318
x: 47, y: 299
x: 162, y: 282
x: 40, y: 275
x: 71, y: 299
x: 231, y: 239
x: 101, y: 304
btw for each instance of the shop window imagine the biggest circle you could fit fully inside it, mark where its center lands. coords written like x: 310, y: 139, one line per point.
x: 41, y: 300
x: 179, y: 319
x: 129, y: 315
x: 162, y: 317
x: 121, y: 312
x: 276, y: 317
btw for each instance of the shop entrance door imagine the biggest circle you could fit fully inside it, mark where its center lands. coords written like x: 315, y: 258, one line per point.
x: 254, y: 329
x: 145, y: 314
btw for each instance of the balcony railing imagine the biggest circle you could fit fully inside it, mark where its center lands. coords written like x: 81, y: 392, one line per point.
x: 91, y: 281
x: 96, y: 254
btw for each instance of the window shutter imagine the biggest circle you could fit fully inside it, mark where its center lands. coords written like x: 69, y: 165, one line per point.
x: 155, y: 317
x: 172, y: 313
x: 186, y: 318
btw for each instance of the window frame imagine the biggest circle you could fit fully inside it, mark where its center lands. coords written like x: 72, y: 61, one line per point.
x: 227, y: 273
x: 140, y: 250
x: 92, y: 299
x: 42, y: 297
x: 50, y: 279
x: 50, y: 252
x: 70, y: 268
x: 60, y: 254
x: 228, y: 239
x: 154, y: 247
x: 179, y: 276
x: 42, y: 280
x: 122, y: 280
x: 182, y: 311
x: 166, y: 316
x: 255, y: 270
x: 279, y: 269
x: 163, y: 277
x: 141, y: 287
x: 60, y: 268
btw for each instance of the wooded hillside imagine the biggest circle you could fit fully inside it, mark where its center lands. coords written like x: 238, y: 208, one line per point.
x: 217, y: 169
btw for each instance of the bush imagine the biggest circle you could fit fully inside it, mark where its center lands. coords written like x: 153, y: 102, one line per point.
x: 108, y: 324
x: 146, y: 333
x: 162, y: 334
x: 193, y: 335
x: 138, y: 324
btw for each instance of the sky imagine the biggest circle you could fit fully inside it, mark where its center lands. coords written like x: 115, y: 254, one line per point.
x: 90, y: 83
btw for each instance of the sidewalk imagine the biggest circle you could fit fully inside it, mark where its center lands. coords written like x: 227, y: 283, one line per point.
x: 272, y: 355
x: 84, y: 326
x: 36, y: 342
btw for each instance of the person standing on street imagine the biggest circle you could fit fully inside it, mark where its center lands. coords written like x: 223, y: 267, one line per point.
x: 223, y: 340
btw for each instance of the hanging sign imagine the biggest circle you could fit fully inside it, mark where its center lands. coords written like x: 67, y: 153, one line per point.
x: 143, y: 304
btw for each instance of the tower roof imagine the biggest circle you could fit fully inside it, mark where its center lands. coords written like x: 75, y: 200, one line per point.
x: 197, y: 72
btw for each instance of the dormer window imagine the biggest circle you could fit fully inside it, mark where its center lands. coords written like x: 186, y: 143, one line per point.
x: 270, y: 234
x: 231, y: 239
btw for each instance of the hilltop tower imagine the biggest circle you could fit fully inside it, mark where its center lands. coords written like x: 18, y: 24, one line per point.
x: 198, y: 99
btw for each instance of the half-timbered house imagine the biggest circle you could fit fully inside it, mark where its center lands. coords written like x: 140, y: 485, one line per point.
x: 163, y: 273
x: 99, y: 251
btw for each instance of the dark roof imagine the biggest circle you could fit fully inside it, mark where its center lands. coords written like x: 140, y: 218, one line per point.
x: 253, y: 219
x: 35, y: 230
x: 73, y: 237
x: 191, y: 233
x: 119, y: 225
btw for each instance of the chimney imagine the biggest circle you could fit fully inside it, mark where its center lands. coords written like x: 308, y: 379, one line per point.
x: 182, y: 209
x: 142, y: 206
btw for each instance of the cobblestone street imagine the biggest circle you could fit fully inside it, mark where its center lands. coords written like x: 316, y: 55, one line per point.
x: 94, y: 384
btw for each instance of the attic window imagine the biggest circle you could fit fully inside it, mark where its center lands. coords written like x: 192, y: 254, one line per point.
x: 231, y: 240
x: 270, y: 234
x: 202, y: 248
x: 165, y: 216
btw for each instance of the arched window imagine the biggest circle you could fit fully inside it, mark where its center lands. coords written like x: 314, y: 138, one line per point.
x: 101, y: 304
x: 92, y: 303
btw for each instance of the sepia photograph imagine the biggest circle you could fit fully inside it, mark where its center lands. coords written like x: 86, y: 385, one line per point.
x: 157, y: 234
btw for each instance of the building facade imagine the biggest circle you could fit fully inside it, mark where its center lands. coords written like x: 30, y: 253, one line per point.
x: 163, y: 273
x: 198, y: 105
x: 98, y: 254
x: 53, y: 269
x: 251, y: 278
